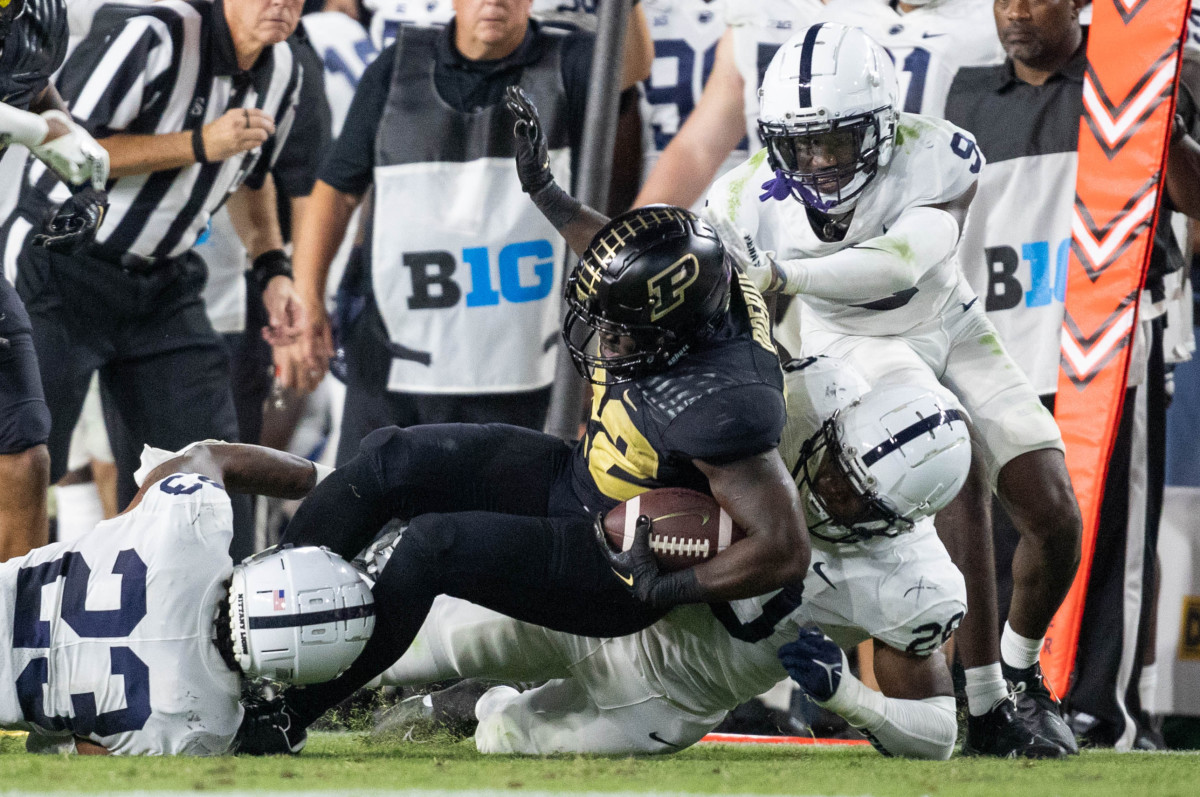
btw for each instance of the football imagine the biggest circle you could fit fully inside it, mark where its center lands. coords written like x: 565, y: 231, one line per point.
x: 689, y: 527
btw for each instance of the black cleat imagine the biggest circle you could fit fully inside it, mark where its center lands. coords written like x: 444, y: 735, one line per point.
x: 269, y: 728
x: 1039, y: 706
x: 1004, y: 733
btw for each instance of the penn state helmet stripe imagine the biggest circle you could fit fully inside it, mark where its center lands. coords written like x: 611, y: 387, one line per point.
x: 313, y: 618
x: 806, y: 57
x: 910, y: 433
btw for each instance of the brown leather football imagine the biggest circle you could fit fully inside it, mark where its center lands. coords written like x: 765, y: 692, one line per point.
x: 688, y: 527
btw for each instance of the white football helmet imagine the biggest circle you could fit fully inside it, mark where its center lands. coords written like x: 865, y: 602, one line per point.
x: 903, y: 453
x: 299, y: 615
x: 827, y: 114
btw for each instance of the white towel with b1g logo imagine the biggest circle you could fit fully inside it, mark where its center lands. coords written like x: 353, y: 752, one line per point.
x: 110, y: 637
x: 467, y: 275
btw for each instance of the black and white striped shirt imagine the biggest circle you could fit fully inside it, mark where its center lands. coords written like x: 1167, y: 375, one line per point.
x: 165, y: 68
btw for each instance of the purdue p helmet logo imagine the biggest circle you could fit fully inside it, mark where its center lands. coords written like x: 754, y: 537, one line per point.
x: 668, y: 286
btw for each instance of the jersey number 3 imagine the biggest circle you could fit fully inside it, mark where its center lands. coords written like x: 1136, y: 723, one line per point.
x: 30, y: 631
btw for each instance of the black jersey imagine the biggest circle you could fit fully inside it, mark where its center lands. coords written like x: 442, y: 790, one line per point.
x: 33, y: 51
x: 722, y: 402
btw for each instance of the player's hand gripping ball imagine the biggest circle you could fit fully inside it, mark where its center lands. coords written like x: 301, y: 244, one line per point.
x: 686, y: 527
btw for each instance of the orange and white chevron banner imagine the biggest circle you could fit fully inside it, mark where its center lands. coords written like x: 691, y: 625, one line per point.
x: 1134, y: 49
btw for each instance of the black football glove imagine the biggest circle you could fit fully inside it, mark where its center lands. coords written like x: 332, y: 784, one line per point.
x: 73, y: 226
x: 638, y: 570
x: 533, y: 154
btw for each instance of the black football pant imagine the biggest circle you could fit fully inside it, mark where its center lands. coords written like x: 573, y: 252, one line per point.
x: 24, y: 417
x: 492, y: 519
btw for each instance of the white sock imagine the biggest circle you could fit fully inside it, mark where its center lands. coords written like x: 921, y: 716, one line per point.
x: 1147, y: 687
x: 1018, y: 651
x: 985, y: 688
x: 79, y: 510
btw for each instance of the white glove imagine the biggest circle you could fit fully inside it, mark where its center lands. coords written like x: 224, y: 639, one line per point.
x: 153, y: 457
x: 75, y: 157
x: 759, y: 265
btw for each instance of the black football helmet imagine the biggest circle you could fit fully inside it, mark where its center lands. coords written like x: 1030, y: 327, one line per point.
x: 657, y: 275
x: 9, y: 11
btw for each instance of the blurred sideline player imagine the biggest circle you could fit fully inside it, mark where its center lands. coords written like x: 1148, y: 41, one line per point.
x: 929, y: 41
x: 686, y: 34
x: 857, y: 208
x: 727, y: 110
x: 157, y: 671
x: 87, y: 493
x: 33, y: 36
x: 885, y: 577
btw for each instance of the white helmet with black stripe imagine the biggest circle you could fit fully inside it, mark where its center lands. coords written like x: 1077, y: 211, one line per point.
x: 827, y: 114
x: 877, y: 466
x: 298, y: 615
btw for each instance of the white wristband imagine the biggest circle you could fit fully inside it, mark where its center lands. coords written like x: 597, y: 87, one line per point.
x: 22, y: 127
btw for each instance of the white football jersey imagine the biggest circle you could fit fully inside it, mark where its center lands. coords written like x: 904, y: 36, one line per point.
x: 932, y: 162
x: 110, y: 637
x: 928, y: 44
x: 759, y: 28
x: 685, y: 34
x: 391, y: 14
x: 346, y: 50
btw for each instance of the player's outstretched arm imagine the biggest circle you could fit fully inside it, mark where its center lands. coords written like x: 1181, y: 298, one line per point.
x: 921, y: 238
x: 575, y: 221
x: 915, y: 715
x: 240, y: 468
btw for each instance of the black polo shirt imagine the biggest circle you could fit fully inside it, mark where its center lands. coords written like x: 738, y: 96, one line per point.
x: 463, y: 84
x: 1014, y: 119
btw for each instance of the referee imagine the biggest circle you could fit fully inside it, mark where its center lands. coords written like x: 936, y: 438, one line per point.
x: 191, y: 100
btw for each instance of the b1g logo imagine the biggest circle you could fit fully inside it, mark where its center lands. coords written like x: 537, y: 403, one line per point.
x: 436, y: 284
x: 1048, y: 281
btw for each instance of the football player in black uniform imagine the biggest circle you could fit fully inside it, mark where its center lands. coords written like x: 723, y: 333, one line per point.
x: 688, y: 393
x: 33, y: 34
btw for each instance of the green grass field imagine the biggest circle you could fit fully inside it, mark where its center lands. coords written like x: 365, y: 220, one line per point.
x: 345, y: 763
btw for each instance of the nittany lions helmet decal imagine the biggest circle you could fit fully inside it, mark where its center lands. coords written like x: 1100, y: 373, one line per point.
x: 299, y: 615
x: 875, y: 467
x: 827, y: 115
x: 657, y: 277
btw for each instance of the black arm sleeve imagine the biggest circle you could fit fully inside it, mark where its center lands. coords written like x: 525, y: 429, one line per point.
x: 350, y: 163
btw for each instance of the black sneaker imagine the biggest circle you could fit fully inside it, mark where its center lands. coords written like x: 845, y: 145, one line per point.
x: 1039, y: 705
x: 1004, y: 733
x: 269, y: 728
